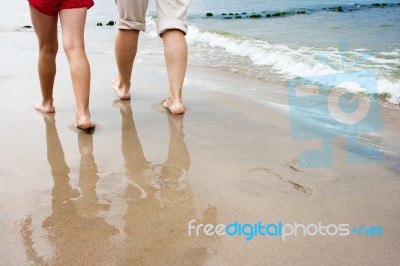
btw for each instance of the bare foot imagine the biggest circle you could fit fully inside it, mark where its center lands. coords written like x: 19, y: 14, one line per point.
x: 46, y: 109
x: 84, y: 123
x: 175, y: 107
x: 121, y: 91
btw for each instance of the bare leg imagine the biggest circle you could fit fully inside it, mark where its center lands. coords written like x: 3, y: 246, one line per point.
x: 126, y: 44
x: 46, y: 32
x: 176, y: 54
x: 73, y: 26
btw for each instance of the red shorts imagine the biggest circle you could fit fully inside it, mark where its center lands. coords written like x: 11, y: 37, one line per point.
x: 52, y: 7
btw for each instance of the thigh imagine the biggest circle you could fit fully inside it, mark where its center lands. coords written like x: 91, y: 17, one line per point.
x: 48, y: 7
x: 45, y: 26
x: 73, y: 26
x: 70, y: 4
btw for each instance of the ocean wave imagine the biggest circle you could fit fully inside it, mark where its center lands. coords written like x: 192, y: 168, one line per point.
x: 279, y: 57
x: 392, y: 61
x: 294, y: 62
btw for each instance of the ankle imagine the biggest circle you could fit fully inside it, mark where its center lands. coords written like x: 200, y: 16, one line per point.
x: 47, y: 102
x: 174, y: 99
x: 123, y: 84
x: 83, y: 114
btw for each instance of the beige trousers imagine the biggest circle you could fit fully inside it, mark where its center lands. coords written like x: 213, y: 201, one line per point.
x: 171, y: 14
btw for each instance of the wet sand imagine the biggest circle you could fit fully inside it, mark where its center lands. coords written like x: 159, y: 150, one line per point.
x: 125, y: 195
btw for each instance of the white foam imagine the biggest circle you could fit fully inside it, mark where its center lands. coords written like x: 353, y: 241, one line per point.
x: 394, y: 61
x: 393, y: 88
x: 351, y: 86
x: 393, y: 53
x: 280, y: 58
x: 291, y: 62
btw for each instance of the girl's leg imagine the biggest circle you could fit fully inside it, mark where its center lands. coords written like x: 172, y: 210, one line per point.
x: 46, y: 31
x: 73, y: 26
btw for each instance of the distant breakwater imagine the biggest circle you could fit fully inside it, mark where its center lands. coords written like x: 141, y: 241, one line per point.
x: 298, y: 11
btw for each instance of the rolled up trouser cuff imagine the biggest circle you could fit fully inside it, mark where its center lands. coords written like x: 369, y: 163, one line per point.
x: 171, y: 24
x: 124, y: 24
x: 132, y: 14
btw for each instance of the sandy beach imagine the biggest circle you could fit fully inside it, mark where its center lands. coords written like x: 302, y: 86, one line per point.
x: 125, y: 195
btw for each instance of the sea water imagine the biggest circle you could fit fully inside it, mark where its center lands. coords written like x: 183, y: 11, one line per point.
x: 277, y: 47
x: 361, y: 37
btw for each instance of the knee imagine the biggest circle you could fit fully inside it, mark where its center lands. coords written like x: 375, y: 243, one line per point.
x: 175, y: 38
x: 50, y: 49
x: 173, y: 33
x: 70, y: 47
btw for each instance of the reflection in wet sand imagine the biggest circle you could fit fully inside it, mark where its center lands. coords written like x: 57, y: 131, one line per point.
x: 74, y: 230
x: 161, y: 203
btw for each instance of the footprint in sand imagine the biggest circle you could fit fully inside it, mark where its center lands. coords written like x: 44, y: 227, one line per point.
x: 293, y: 166
x: 278, y: 182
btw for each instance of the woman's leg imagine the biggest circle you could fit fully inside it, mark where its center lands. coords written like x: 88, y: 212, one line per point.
x: 46, y: 31
x: 73, y: 27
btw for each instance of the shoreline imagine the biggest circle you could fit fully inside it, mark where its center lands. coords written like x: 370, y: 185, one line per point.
x: 126, y: 194
x: 263, y: 85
